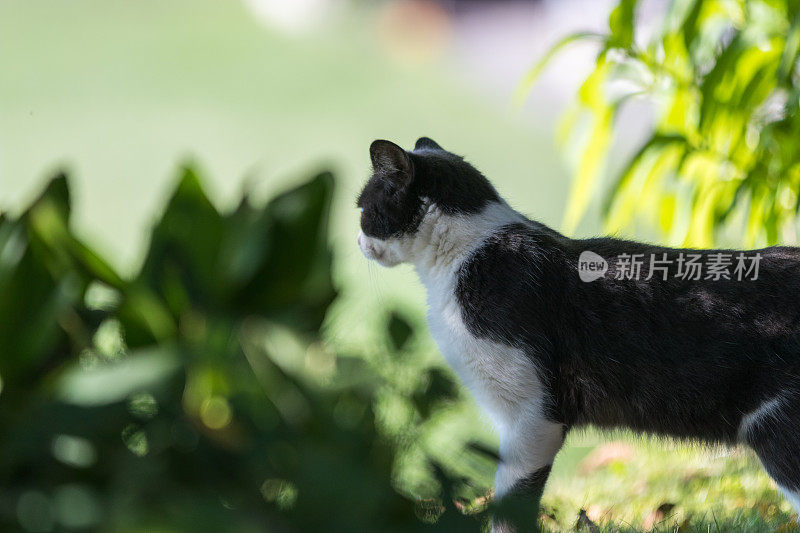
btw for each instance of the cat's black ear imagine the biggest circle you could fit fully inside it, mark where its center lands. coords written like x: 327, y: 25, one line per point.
x: 427, y: 142
x: 391, y: 160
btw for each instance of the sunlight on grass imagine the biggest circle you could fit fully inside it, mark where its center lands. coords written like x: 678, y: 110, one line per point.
x: 627, y: 482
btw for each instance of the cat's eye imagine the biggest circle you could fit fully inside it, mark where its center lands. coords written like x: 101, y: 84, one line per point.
x: 360, y: 209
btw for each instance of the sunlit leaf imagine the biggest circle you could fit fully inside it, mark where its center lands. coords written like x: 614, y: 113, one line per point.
x: 533, y: 73
x: 621, y: 24
x: 118, y: 380
x: 723, y: 77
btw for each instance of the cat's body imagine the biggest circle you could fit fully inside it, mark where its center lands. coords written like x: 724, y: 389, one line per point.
x: 543, y: 351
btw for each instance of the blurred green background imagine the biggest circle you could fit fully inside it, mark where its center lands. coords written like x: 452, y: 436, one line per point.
x: 121, y: 93
x: 260, y: 96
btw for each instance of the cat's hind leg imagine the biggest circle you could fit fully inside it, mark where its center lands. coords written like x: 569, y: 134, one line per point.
x: 527, y: 450
x: 773, y: 431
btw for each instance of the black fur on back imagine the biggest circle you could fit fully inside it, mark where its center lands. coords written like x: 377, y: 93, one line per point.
x: 672, y: 357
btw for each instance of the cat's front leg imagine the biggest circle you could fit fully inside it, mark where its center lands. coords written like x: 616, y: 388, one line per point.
x: 527, y: 451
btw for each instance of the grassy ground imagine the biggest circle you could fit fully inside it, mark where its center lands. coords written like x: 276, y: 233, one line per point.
x: 633, y: 484
x: 119, y: 92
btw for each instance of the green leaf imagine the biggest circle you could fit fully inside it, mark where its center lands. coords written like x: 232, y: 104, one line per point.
x: 790, y: 50
x: 94, y: 266
x: 399, y: 330
x: 532, y: 75
x: 656, y: 142
x: 484, y: 450
x: 590, y: 167
x: 247, y: 241
x: 56, y: 193
x: 116, y: 381
x: 31, y: 303
x: 293, y: 281
x: 689, y: 27
x: 182, y: 262
x: 144, y: 317
x: 439, y: 389
x: 621, y: 24
x: 723, y: 69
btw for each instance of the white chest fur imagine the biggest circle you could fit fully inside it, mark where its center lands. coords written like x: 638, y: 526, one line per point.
x: 502, y: 378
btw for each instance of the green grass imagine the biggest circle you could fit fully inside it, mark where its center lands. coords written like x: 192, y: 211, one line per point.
x: 701, y: 488
x: 120, y: 92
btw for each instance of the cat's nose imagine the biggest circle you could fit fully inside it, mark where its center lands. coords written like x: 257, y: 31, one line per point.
x: 359, y: 239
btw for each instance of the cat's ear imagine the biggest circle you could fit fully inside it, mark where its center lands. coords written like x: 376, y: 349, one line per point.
x: 427, y: 142
x: 391, y: 160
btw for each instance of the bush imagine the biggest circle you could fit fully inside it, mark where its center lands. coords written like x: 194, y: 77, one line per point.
x: 198, y: 395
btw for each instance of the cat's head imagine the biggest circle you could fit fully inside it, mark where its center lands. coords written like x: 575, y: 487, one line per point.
x: 407, y: 190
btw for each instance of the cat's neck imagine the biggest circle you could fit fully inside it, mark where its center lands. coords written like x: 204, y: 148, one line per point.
x: 444, y: 240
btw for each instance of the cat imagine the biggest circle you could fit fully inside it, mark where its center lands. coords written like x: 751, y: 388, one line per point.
x: 551, y: 333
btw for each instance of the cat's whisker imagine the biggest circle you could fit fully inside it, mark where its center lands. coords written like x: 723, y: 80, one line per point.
x: 376, y: 285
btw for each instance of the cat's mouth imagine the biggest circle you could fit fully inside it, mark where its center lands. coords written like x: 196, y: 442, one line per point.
x: 372, y: 250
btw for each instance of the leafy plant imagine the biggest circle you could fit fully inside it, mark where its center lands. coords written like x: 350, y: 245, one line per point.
x: 197, y: 396
x: 722, y: 161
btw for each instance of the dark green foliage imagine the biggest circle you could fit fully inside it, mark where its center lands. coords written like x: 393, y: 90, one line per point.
x: 184, y: 399
x: 439, y: 388
x: 399, y: 331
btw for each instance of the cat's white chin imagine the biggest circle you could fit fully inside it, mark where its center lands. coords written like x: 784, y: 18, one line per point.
x: 377, y: 250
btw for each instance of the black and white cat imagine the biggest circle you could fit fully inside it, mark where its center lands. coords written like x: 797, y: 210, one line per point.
x: 545, y: 349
